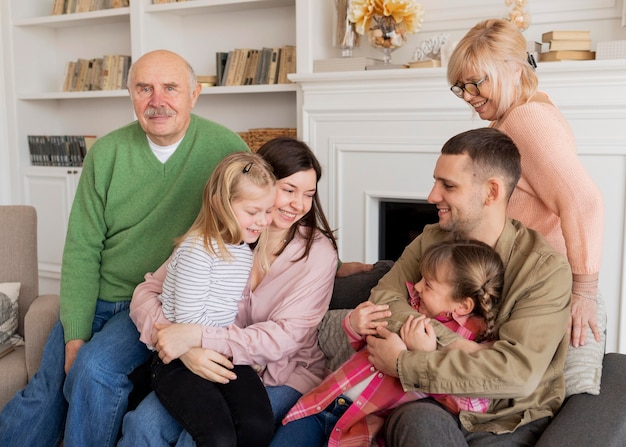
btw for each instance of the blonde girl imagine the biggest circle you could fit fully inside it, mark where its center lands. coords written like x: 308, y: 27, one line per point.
x: 205, y: 279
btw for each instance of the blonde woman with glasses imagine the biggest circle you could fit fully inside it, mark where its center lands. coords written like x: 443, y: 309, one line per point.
x: 491, y: 71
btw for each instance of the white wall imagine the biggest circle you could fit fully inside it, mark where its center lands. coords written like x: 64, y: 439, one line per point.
x: 5, y: 165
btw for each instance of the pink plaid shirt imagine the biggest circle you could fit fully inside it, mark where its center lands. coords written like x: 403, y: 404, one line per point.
x: 362, y: 421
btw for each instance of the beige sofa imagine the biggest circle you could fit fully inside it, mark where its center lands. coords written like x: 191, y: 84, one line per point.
x: 37, y: 314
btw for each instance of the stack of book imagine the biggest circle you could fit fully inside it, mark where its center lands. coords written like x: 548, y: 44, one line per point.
x: 104, y: 73
x: 567, y: 45
x: 59, y: 150
x: 249, y: 66
x: 72, y: 6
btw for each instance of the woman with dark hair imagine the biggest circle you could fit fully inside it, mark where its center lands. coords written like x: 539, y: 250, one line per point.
x: 283, y: 303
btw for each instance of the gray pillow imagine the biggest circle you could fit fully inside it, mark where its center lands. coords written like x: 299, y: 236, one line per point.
x: 9, y: 294
x: 350, y: 291
x: 583, y: 365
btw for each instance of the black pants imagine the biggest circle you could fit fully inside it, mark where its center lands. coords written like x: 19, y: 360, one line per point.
x: 235, y: 414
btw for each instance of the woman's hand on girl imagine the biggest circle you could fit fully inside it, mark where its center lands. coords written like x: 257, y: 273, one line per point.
x: 209, y: 364
x: 173, y: 340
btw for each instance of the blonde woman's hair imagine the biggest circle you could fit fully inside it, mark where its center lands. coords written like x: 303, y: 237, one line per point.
x: 474, y: 270
x: 497, y: 49
x: 229, y: 182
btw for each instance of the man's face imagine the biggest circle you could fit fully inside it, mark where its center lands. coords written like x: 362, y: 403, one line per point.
x: 458, y: 196
x: 162, y: 97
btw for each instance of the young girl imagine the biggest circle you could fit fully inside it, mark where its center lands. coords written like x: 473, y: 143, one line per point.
x: 461, y: 286
x: 206, y: 276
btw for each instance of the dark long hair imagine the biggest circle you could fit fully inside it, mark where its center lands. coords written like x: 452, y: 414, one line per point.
x: 288, y: 156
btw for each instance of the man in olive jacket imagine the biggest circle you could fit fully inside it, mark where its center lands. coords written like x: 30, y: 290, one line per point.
x: 522, y: 371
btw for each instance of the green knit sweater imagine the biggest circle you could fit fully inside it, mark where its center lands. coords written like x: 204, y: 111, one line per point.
x: 127, y: 211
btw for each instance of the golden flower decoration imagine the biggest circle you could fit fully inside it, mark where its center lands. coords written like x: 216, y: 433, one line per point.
x: 408, y: 12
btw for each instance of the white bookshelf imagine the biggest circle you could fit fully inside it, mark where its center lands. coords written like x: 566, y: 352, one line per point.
x: 37, y: 47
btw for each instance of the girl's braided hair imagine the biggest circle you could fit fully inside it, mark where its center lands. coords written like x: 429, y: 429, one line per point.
x: 474, y: 270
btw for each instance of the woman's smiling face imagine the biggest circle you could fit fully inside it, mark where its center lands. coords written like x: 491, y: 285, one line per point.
x: 481, y: 103
x: 294, y: 198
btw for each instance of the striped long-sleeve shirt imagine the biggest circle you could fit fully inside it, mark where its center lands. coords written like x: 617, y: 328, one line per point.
x: 203, y: 288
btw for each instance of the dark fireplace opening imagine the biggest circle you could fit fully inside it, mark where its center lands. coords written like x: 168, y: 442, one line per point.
x: 400, y: 222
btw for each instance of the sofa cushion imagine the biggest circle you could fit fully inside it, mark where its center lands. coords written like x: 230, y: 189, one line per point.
x: 9, y: 294
x: 583, y: 365
x: 351, y: 290
x: 348, y: 292
x: 589, y: 420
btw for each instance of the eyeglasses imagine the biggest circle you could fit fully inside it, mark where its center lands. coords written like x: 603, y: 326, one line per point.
x: 469, y: 87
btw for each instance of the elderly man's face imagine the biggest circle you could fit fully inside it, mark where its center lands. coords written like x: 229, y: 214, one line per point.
x: 162, y: 97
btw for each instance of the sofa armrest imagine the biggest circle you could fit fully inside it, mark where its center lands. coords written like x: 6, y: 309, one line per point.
x: 42, y: 315
x: 586, y: 419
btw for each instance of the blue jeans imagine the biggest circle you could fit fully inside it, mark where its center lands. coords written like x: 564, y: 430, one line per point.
x: 151, y: 425
x: 97, y: 387
x: 314, y: 430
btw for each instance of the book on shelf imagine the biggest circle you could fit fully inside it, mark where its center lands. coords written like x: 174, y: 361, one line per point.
x: 235, y: 65
x: 109, y: 72
x: 206, y: 80
x: 220, y: 66
x: 108, y: 67
x: 229, y: 61
x: 251, y: 67
x: 272, y: 70
x: 240, y: 65
x: 426, y: 63
x: 565, y: 35
x: 287, y: 64
x: 69, y: 76
x: 74, y: 6
x: 59, y: 150
x: 342, y: 64
x: 262, y: 74
x: 581, y: 45
x: 58, y: 7
x: 567, y: 55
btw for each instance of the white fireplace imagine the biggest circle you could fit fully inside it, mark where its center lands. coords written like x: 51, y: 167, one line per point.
x: 378, y: 134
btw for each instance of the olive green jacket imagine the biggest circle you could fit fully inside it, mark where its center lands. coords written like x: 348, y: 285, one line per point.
x: 523, y: 371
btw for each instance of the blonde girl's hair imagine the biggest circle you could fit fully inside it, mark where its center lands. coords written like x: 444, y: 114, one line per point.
x: 216, y: 220
x: 474, y: 270
x: 497, y: 49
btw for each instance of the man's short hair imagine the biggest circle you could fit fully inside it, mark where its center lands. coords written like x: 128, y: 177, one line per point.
x: 492, y: 152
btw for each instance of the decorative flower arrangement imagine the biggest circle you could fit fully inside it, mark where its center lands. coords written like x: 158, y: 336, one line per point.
x: 408, y: 12
x: 386, y: 22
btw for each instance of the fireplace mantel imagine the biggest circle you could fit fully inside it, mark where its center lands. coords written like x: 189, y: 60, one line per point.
x: 378, y: 134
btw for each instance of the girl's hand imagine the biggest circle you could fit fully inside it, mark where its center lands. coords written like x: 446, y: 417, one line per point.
x: 367, y: 316
x: 209, y: 364
x: 418, y: 334
x: 173, y: 340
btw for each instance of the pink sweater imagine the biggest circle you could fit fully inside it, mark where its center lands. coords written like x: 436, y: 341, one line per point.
x: 276, y: 326
x: 555, y: 196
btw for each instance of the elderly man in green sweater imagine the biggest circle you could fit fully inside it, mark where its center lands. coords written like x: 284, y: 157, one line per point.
x: 140, y: 187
